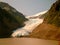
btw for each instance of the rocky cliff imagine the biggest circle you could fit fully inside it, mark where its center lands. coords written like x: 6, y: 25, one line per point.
x: 10, y: 19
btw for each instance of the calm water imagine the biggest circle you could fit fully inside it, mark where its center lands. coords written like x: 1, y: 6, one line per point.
x: 27, y: 41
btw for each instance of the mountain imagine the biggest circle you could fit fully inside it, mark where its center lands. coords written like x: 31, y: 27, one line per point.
x: 53, y: 15
x: 50, y: 28
x: 38, y: 15
x: 10, y: 19
x: 30, y: 25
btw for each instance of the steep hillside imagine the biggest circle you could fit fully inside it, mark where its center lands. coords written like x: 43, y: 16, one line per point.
x: 53, y: 15
x: 50, y: 28
x: 10, y: 19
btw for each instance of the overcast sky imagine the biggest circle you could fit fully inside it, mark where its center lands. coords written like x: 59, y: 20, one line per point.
x: 30, y: 7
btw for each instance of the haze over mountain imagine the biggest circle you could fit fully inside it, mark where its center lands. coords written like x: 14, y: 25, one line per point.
x: 30, y: 7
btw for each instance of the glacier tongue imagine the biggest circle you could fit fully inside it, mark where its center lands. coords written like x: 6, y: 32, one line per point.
x: 28, y: 28
x: 31, y: 24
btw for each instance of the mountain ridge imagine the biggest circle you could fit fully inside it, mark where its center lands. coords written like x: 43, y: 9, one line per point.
x: 50, y: 28
x: 10, y: 19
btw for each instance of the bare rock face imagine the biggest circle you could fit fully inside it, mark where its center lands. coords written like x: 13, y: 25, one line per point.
x: 50, y: 28
x: 10, y: 19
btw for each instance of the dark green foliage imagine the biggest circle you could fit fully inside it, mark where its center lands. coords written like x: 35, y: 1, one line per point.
x: 10, y: 19
x: 53, y: 15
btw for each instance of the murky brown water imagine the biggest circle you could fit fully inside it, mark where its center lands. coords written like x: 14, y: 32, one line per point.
x: 26, y: 41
